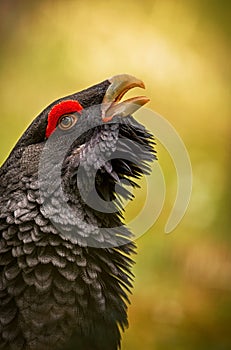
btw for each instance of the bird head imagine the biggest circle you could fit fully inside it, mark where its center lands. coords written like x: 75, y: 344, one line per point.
x: 78, y: 153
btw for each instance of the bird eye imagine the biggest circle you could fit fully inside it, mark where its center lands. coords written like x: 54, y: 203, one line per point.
x: 67, y: 121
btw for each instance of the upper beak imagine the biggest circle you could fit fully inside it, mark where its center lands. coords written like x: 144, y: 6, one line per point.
x: 120, y: 84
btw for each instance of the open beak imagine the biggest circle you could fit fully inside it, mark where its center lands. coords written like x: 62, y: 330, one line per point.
x: 111, y: 105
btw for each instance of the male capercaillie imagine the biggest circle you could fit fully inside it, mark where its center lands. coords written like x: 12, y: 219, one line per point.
x: 65, y: 254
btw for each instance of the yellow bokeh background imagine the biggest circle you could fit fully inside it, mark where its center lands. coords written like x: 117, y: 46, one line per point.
x: 181, y: 50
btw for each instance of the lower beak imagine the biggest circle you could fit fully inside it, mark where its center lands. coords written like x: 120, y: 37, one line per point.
x: 111, y: 105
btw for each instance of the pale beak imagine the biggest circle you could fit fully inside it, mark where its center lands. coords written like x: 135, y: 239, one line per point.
x: 111, y: 105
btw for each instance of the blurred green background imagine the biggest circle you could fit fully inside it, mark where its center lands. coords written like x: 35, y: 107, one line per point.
x: 181, y: 50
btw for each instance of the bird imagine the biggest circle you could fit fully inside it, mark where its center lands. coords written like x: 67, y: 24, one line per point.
x: 66, y: 254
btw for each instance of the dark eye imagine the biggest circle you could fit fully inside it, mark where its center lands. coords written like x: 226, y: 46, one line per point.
x: 67, y: 121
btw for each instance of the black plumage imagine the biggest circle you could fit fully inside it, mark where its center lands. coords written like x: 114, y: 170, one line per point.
x: 65, y: 271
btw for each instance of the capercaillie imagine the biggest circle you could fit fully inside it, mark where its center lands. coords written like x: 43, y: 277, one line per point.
x: 65, y: 253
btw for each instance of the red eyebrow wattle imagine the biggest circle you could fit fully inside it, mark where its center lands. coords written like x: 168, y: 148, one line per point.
x: 61, y: 108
